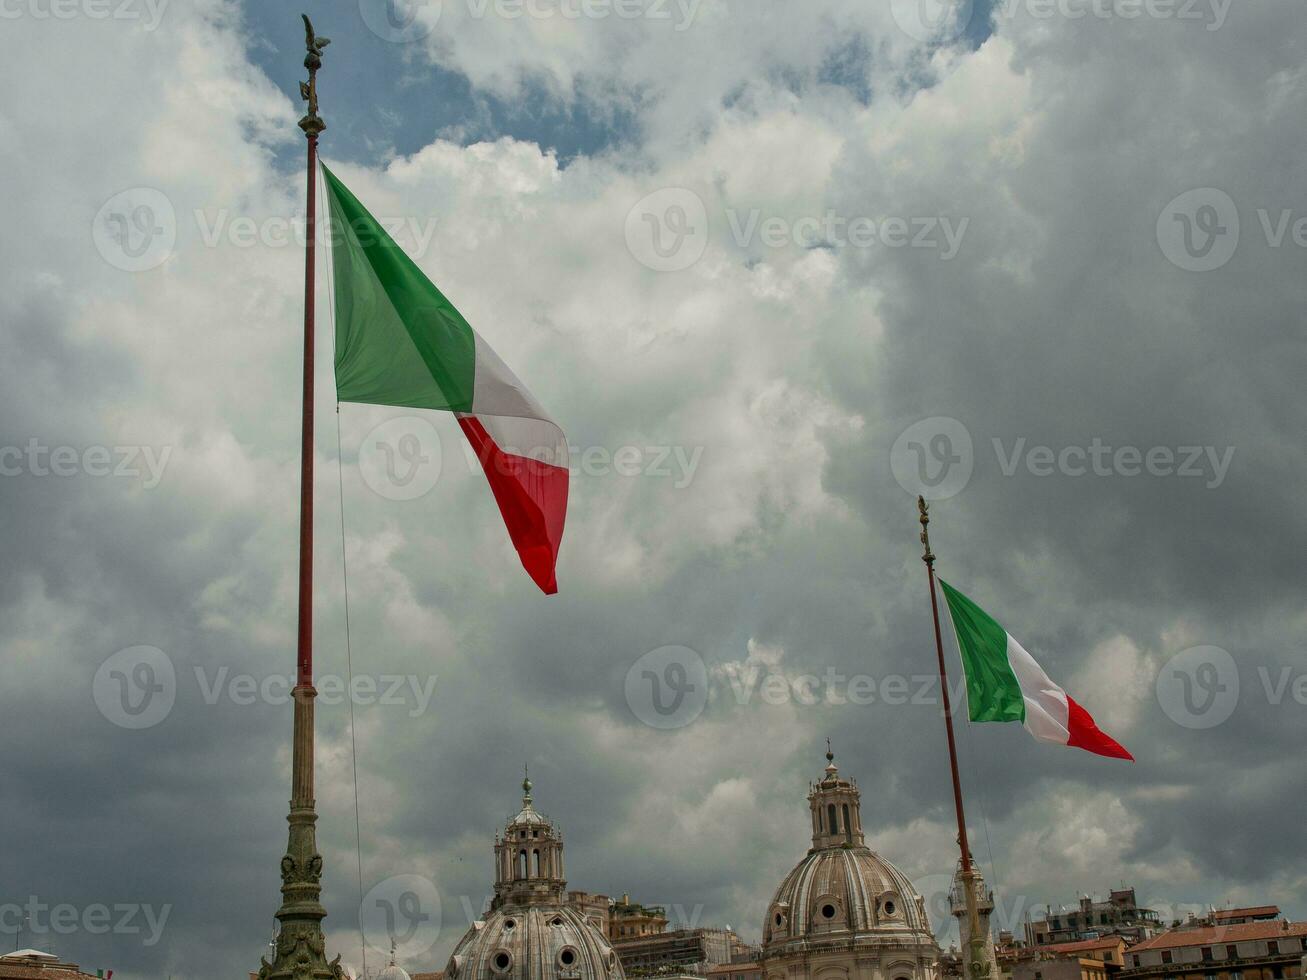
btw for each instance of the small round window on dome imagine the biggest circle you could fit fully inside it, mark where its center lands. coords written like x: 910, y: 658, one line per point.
x: 510, y: 923
x: 501, y: 961
x: 567, y: 957
x: 828, y: 911
x: 780, y: 919
x: 889, y: 908
x: 556, y: 920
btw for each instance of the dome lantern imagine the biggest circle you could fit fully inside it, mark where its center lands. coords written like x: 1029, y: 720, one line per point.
x: 836, y: 807
x: 529, y: 857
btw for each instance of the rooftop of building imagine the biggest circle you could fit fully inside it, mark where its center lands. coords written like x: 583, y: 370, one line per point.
x: 1253, y: 912
x: 721, y: 969
x: 1083, y: 946
x: 1244, y: 932
x: 24, y: 963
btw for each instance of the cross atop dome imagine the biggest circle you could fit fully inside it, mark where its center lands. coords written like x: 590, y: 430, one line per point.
x: 832, y: 770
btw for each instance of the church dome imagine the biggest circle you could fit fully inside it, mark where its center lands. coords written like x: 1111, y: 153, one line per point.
x: 843, y: 897
x: 844, y: 890
x: 537, y: 942
x: 393, y: 972
x: 531, y: 931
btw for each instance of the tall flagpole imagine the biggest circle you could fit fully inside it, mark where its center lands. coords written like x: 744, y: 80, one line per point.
x: 975, y: 961
x: 300, y: 949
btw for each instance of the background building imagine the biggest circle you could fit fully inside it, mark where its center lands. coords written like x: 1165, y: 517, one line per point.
x: 1257, y: 950
x: 680, y: 951
x: 1120, y: 915
x: 631, y: 920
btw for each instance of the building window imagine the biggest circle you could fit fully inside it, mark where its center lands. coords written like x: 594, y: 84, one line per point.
x: 1273, y: 947
x: 833, y: 820
x: 1136, y: 959
x: 828, y: 911
x: 1166, y: 956
x: 1207, y: 955
x: 1232, y: 952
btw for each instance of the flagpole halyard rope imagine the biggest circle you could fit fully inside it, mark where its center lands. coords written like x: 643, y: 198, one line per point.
x: 349, y: 654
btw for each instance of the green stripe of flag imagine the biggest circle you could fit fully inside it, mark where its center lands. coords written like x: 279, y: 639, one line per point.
x: 399, y: 341
x: 993, y: 693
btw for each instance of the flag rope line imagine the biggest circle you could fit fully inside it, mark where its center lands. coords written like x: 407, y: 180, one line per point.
x: 344, y: 573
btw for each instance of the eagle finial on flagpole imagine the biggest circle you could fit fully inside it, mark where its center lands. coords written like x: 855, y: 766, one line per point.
x: 312, y: 123
x: 924, y: 509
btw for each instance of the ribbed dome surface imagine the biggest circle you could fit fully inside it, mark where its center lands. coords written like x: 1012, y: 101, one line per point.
x: 842, y: 890
x: 537, y: 942
x: 393, y: 972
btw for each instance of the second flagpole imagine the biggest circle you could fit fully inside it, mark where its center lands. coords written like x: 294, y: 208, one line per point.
x: 975, y: 963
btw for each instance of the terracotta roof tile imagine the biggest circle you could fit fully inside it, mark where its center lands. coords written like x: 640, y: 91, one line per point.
x: 1208, y: 935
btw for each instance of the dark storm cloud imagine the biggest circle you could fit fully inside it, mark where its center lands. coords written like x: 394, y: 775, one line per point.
x: 792, y: 552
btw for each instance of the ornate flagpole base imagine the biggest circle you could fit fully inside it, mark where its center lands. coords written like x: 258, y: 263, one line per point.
x: 301, y: 952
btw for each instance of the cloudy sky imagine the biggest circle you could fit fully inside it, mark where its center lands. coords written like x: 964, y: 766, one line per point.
x: 775, y: 267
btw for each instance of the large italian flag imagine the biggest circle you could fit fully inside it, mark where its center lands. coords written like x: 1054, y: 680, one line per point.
x: 400, y: 342
x: 1004, y: 683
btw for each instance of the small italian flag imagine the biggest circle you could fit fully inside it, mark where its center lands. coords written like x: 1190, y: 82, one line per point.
x: 1004, y: 683
x: 400, y: 342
